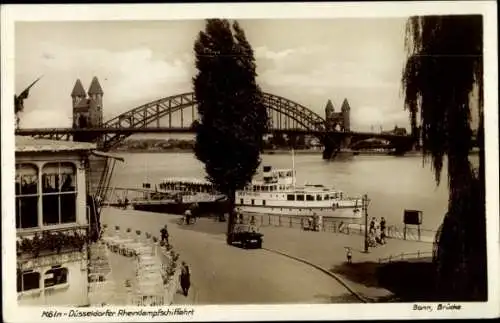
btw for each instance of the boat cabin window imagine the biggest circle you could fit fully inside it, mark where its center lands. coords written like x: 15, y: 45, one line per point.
x: 255, y: 188
x: 318, y: 197
x: 290, y: 197
x: 326, y: 197
x: 300, y: 197
x: 289, y: 174
x: 309, y: 197
x: 28, y: 280
x: 253, y: 202
x: 56, y: 276
x: 281, y: 174
x: 263, y: 202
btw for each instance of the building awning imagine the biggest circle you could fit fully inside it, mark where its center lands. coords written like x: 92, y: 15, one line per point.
x: 29, y: 144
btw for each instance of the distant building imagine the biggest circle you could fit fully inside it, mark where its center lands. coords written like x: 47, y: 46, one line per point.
x: 51, y: 221
x: 340, y: 121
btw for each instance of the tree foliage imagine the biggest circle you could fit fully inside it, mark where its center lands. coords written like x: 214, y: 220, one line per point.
x: 444, y: 66
x: 233, y: 117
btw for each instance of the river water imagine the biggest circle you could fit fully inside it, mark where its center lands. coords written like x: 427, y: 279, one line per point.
x: 392, y: 183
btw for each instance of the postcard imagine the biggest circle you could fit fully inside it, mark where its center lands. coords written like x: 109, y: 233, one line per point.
x: 248, y: 162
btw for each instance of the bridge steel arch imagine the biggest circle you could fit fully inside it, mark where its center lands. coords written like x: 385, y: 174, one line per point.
x: 283, y: 114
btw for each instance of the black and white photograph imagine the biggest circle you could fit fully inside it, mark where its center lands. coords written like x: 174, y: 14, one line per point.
x: 157, y: 159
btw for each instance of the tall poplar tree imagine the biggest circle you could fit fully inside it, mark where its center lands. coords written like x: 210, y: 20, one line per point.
x: 233, y: 118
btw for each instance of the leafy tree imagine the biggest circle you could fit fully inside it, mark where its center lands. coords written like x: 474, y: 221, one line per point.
x: 292, y: 140
x: 444, y: 66
x: 301, y: 141
x: 233, y: 118
x: 279, y: 140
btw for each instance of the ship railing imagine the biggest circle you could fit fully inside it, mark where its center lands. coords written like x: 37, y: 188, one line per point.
x: 337, y: 226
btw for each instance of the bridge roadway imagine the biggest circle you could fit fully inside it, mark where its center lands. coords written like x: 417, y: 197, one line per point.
x: 222, y: 274
x: 129, y: 131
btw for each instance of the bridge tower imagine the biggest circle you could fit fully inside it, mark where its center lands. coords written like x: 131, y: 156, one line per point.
x: 329, y: 112
x: 346, y: 115
x: 340, y: 121
x: 346, y: 123
x: 87, y: 109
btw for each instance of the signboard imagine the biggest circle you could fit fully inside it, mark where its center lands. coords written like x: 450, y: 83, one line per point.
x: 51, y: 260
x: 412, y: 217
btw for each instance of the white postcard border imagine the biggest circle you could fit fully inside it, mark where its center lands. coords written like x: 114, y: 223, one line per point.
x: 12, y: 13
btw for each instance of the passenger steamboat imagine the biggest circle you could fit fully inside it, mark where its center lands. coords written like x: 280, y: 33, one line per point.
x: 175, y: 195
x: 277, y: 193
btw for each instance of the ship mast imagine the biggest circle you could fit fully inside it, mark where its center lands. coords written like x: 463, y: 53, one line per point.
x: 293, y: 167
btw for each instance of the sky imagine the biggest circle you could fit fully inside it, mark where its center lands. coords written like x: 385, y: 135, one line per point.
x: 306, y: 61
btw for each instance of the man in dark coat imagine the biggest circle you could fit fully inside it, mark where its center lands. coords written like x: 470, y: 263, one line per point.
x: 185, y: 279
x: 164, y: 234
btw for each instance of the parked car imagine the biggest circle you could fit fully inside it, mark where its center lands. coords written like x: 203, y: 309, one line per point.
x: 245, y: 235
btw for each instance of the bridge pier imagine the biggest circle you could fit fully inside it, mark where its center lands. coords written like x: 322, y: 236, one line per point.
x: 331, y: 146
x: 333, y: 143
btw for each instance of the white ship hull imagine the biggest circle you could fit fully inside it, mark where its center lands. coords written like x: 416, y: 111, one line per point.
x: 340, y: 213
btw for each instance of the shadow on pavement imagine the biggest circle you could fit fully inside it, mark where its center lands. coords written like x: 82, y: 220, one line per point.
x: 408, y: 281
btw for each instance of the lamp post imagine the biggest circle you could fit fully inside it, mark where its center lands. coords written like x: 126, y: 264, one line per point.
x: 365, y: 212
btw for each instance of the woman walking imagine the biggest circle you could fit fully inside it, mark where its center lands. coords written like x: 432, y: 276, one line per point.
x: 185, y: 279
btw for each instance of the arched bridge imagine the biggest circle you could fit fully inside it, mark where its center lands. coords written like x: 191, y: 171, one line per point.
x: 283, y: 114
x: 179, y: 112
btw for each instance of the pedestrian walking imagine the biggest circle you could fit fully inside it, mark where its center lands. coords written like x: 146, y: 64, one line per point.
x: 195, y: 211
x: 372, y: 224
x: 185, y: 279
x: 164, y: 234
x: 349, y: 255
x: 320, y: 222
x: 187, y: 216
x: 382, y: 230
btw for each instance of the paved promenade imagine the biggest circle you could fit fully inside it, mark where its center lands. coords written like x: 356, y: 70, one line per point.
x: 222, y: 274
x: 328, y: 250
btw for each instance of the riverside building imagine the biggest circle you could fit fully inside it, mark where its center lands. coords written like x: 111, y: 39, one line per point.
x: 52, y: 221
